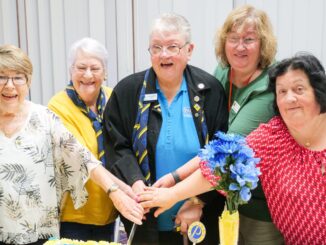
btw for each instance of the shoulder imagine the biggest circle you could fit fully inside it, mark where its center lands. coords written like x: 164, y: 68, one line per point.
x: 200, y: 75
x: 267, y: 135
x: 130, y: 83
x: 59, y: 98
x: 107, y: 90
x: 41, y: 114
x: 221, y: 73
x: 62, y: 105
x: 203, y: 81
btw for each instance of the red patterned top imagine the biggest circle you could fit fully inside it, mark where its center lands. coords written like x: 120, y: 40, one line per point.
x: 293, y: 183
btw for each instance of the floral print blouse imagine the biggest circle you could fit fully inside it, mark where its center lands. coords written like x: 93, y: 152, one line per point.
x: 37, y: 165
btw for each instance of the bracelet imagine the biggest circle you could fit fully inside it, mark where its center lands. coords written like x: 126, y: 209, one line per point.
x: 176, y: 177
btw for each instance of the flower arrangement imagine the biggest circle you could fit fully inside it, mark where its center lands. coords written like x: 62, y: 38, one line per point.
x: 230, y: 166
x: 64, y: 241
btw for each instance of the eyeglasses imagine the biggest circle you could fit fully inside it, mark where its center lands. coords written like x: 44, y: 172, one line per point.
x: 171, y: 50
x: 235, y: 40
x: 84, y: 69
x: 16, y: 80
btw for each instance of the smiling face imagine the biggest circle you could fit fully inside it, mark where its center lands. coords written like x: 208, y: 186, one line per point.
x: 295, y: 98
x: 242, y: 49
x: 12, y: 96
x: 87, y: 75
x: 169, y: 68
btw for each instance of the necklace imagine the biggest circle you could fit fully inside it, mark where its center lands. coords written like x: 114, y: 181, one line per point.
x: 307, y: 144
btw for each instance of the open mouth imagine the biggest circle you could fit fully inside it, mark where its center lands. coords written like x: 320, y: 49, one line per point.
x: 166, y: 65
x: 87, y: 83
x: 241, y: 55
x: 9, y: 96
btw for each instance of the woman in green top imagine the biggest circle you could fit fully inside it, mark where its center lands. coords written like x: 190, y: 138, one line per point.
x: 245, y: 47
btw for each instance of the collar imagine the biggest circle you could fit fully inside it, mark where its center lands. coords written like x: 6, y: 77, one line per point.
x: 192, y: 75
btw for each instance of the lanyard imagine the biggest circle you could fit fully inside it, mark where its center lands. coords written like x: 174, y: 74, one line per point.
x: 231, y: 78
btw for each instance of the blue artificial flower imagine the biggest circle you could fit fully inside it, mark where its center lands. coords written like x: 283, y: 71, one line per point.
x: 245, y: 194
x: 229, y: 137
x: 230, y: 158
x: 234, y: 187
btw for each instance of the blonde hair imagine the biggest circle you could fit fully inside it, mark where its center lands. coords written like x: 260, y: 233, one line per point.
x: 239, y: 18
x: 14, y: 59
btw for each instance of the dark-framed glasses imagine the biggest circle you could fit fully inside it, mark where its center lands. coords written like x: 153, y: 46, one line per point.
x: 170, y: 50
x: 16, y: 80
x: 246, y: 41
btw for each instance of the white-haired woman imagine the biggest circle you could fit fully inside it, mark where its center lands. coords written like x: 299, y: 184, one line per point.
x: 167, y: 111
x: 80, y: 107
x: 41, y: 160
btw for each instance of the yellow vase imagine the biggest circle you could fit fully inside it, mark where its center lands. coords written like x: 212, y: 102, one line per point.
x: 229, y: 228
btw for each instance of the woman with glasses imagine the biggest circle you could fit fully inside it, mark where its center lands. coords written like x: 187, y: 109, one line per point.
x: 40, y: 160
x: 80, y: 107
x: 158, y: 119
x: 245, y: 47
x: 292, y: 152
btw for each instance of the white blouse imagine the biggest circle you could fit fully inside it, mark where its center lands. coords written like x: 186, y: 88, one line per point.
x: 37, y: 165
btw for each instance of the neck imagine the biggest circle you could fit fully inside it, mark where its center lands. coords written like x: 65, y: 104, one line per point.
x: 12, y: 112
x: 311, y: 134
x: 170, y: 89
x: 242, y: 79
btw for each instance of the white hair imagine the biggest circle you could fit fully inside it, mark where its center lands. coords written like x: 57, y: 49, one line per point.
x: 171, y: 22
x: 89, y: 46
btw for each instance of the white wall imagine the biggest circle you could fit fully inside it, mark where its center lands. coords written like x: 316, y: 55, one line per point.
x: 45, y: 29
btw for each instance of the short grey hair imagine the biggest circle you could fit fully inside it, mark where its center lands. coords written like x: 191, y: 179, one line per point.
x: 171, y: 22
x: 89, y: 46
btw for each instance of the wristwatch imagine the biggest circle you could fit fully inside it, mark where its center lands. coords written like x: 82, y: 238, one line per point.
x: 114, y: 187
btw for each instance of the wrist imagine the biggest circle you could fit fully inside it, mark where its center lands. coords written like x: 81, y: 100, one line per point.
x: 113, y: 188
x: 175, y: 176
x: 196, y: 201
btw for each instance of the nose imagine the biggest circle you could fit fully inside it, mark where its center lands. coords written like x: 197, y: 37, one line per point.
x: 164, y: 52
x: 290, y: 97
x: 88, y: 73
x: 241, y: 45
x: 10, y: 83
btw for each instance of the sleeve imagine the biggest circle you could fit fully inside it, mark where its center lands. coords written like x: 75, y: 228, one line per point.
x: 257, y: 110
x: 73, y: 162
x: 119, y: 117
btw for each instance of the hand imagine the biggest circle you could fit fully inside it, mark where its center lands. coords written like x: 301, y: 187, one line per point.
x: 165, y: 181
x: 157, y: 197
x: 187, y: 214
x: 138, y: 186
x: 127, y: 206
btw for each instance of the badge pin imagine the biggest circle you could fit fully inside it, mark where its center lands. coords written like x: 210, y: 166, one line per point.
x: 196, y: 232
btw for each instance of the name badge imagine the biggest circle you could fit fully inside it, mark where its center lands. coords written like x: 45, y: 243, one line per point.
x: 235, y: 107
x: 150, y: 97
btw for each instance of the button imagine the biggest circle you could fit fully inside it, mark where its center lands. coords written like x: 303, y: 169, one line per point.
x: 196, y: 98
x: 196, y: 114
x: 18, y: 142
x: 201, y: 85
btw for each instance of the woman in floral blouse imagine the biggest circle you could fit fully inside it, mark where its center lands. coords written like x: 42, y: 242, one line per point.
x: 40, y: 160
x: 292, y: 149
